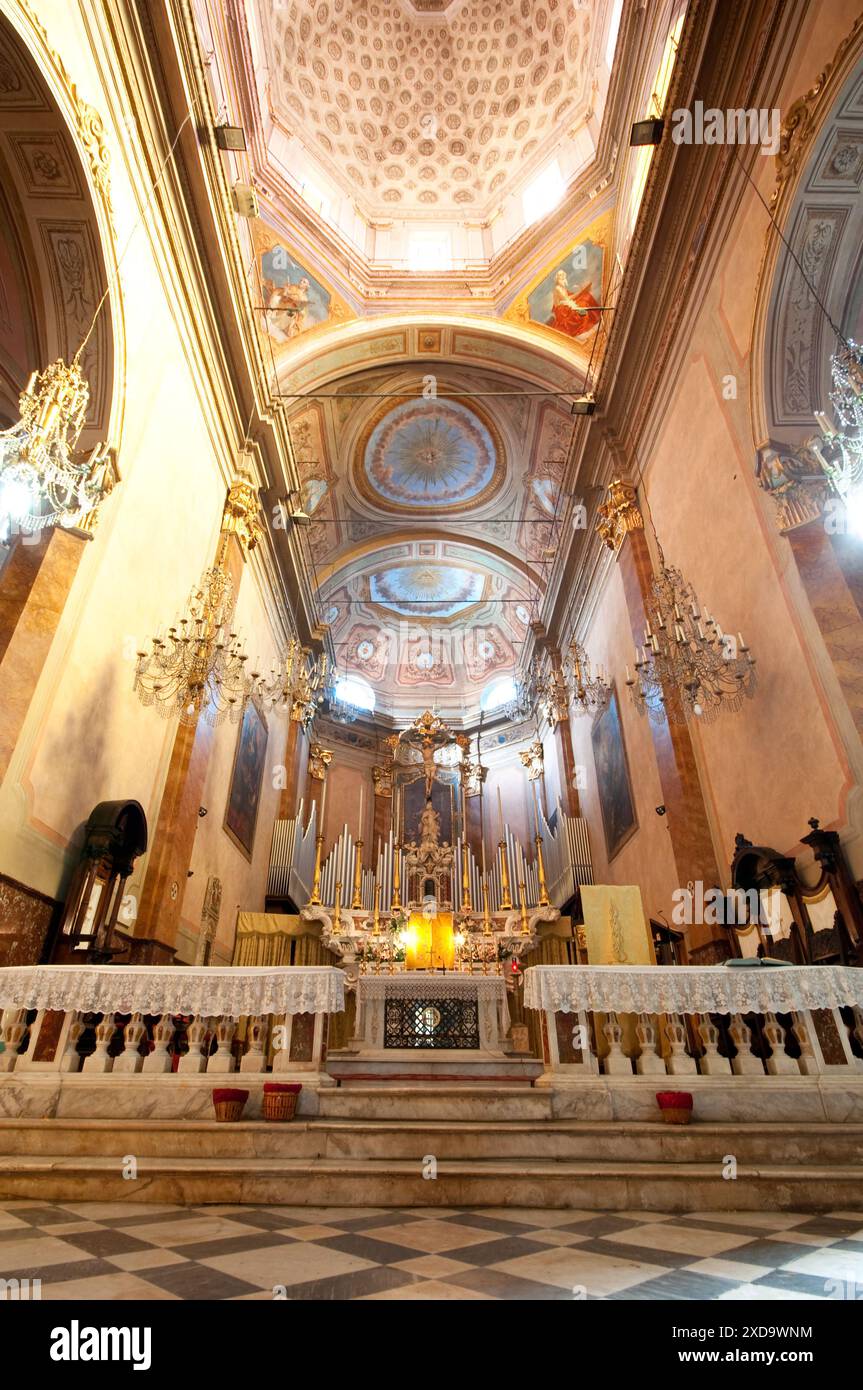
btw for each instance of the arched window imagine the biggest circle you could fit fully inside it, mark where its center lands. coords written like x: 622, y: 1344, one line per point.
x: 351, y: 690
x: 500, y: 692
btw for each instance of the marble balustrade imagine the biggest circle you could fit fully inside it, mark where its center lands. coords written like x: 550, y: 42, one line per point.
x: 585, y: 1043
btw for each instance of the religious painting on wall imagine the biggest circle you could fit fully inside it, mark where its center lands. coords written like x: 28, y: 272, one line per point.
x: 612, y: 778
x: 241, y: 813
x: 413, y: 800
x: 569, y: 296
x: 293, y: 299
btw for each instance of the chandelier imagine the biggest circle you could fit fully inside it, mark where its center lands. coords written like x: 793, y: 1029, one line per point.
x: 688, y: 666
x: 198, y: 667
x: 548, y: 693
x: 588, y: 693
x: 298, y: 685
x: 42, y: 482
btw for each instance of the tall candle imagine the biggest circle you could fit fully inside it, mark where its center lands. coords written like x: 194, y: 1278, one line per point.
x: 362, y: 798
x: 500, y: 812
x: 323, y: 803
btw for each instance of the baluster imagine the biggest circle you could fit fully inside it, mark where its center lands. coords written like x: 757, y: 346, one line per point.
x: 130, y: 1059
x: 99, y: 1061
x: 254, y: 1059
x: 616, y: 1063
x: 14, y: 1026
x: 223, y: 1059
x: 159, y: 1060
x: 196, y: 1035
x: 678, y: 1061
x: 745, y: 1063
x: 712, y: 1063
x: 808, y: 1060
x: 71, y: 1059
x: 649, y: 1063
x: 779, y: 1064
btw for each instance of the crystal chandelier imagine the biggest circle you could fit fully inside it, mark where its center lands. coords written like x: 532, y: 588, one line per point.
x: 42, y: 482
x: 339, y: 707
x: 588, y: 693
x: 297, y: 685
x: 688, y: 666
x: 198, y: 667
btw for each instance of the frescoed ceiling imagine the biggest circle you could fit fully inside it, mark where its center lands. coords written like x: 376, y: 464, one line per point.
x: 433, y: 523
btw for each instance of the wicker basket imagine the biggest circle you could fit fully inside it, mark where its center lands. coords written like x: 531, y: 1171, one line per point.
x: 279, y: 1105
x: 229, y: 1105
x: 674, y: 1116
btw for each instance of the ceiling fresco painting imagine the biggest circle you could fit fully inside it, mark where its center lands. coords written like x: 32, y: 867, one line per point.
x: 434, y: 454
x: 430, y: 523
x: 292, y: 300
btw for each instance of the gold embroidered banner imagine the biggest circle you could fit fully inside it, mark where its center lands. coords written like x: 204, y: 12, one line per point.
x: 615, y: 927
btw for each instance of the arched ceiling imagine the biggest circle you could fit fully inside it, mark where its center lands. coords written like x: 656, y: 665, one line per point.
x: 434, y: 521
x: 429, y: 108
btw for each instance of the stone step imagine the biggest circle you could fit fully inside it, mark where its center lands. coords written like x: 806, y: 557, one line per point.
x: 405, y: 1140
x: 429, y: 1101
x: 603, y: 1186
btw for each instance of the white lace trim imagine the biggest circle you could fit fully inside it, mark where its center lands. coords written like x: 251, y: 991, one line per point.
x: 213, y: 991
x: 692, y: 989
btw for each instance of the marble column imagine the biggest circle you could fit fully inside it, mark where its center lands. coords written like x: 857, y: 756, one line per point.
x: 34, y: 585
x: 622, y: 529
x: 383, y: 804
x: 173, y: 838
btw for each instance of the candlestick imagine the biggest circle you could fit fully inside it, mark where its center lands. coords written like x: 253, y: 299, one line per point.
x: 357, y: 900
x: 525, y: 925
x: 467, y: 905
x: 376, y: 923
x: 540, y: 869
x: 505, y: 896
x: 397, y: 875
x: 486, y: 915
x: 337, y: 908
x: 315, y: 899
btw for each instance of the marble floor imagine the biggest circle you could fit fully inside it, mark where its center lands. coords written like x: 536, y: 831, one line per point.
x: 95, y: 1250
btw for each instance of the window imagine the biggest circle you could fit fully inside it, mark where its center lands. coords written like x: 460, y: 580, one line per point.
x: 543, y: 194
x: 500, y: 692
x: 614, y: 26
x: 356, y: 692
x: 430, y: 250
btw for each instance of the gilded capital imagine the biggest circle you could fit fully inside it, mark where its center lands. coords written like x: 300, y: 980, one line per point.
x: 383, y: 780
x: 241, y: 517
x: 319, y: 760
x: 619, y: 514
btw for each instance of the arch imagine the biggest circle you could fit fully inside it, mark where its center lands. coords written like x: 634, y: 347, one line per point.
x: 55, y: 164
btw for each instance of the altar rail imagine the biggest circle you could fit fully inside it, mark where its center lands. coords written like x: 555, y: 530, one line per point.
x: 157, y: 1019
x: 699, y: 1020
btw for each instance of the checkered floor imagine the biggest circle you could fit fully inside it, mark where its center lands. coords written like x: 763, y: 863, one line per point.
x: 94, y: 1250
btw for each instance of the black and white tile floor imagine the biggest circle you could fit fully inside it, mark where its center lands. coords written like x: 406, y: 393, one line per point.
x: 93, y: 1250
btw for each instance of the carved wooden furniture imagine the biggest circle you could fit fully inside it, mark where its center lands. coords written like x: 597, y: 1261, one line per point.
x: 115, y: 835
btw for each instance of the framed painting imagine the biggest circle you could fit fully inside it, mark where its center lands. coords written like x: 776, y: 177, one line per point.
x: 616, y: 803
x: 247, y: 775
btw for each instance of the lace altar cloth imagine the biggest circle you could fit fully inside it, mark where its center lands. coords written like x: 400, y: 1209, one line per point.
x: 691, y: 989
x: 213, y: 991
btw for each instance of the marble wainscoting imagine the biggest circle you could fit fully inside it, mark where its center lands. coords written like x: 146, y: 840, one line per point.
x: 731, y: 1100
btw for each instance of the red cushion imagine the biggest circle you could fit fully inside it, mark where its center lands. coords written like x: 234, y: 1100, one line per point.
x: 674, y: 1100
x: 293, y: 1087
x: 220, y: 1095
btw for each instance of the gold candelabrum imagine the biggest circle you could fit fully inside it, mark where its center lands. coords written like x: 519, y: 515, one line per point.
x: 376, y: 922
x: 506, y: 895
x: 525, y: 925
x: 486, y: 915
x: 467, y: 905
x: 540, y: 869
x: 337, y: 907
x: 397, y: 876
x: 315, y: 899
x: 357, y: 901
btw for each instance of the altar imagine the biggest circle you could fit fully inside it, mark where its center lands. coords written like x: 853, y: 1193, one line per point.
x: 428, y: 1024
